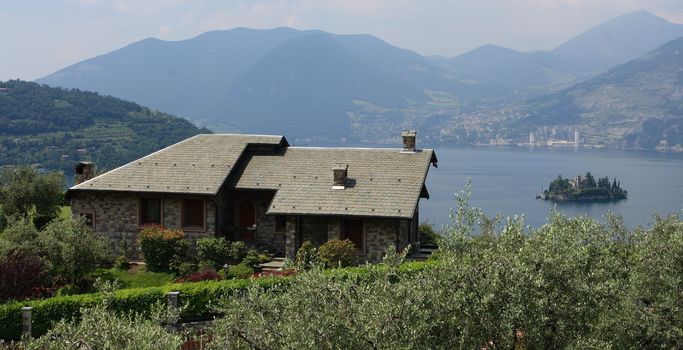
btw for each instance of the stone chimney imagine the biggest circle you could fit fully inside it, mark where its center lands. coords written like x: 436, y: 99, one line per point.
x: 340, y: 172
x: 83, y: 171
x: 408, y: 140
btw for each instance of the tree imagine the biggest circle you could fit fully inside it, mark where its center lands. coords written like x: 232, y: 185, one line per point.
x: 72, y: 249
x: 27, y: 194
x: 589, y: 181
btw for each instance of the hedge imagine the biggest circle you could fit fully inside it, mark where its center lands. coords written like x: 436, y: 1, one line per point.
x: 197, y: 296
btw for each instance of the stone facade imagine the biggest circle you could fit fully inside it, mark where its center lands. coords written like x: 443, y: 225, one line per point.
x: 115, y: 216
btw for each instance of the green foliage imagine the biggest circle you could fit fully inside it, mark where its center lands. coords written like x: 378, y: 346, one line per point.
x: 306, y: 256
x: 427, y: 234
x: 337, y: 253
x: 199, y: 298
x: 161, y: 246
x: 253, y: 259
x: 586, y: 189
x: 137, y: 278
x: 573, y: 283
x: 40, y: 124
x: 121, y: 262
x: 239, y: 271
x: 101, y: 328
x: 215, y: 251
x: 72, y: 249
x: 27, y: 194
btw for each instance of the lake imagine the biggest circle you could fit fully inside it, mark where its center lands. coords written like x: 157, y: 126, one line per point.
x: 506, y: 180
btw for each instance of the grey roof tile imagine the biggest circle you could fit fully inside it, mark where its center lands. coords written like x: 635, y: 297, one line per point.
x: 382, y: 182
x: 198, y: 165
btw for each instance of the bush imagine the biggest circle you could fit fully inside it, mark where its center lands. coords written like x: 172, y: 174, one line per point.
x: 306, y: 256
x: 68, y: 289
x: 122, y: 263
x: 239, y: 271
x: 427, y: 234
x: 336, y: 253
x: 253, y: 260
x: 206, y: 275
x: 186, y: 269
x: 238, y: 251
x: 215, y: 251
x: 22, y: 275
x: 160, y: 247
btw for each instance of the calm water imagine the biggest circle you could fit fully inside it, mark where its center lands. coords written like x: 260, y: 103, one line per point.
x: 506, y: 181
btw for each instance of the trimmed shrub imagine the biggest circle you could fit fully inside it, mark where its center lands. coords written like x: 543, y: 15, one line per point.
x: 238, y: 251
x: 306, y: 256
x: 215, y: 251
x: 337, y: 253
x: 239, y: 271
x: 252, y: 259
x: 161, y: 246
x: 199, y: 298
x: 22, y: 275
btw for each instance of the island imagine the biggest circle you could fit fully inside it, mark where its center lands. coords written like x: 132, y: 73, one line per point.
x: 583, y: 189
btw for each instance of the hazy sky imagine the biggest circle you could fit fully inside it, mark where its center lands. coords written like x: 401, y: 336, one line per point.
x: 37, y: 37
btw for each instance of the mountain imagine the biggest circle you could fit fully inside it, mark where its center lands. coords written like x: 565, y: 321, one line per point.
x: 54, y: 127
x: 617, y: 41
x: 636, y: 104
x: 301, y: 83
x: 611, y: 43
x: 320, y: 87
x: 510, y: 69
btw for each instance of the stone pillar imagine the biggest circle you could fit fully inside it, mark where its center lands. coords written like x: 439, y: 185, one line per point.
x: 173, y: 302
x: 26, y: 322
x: 290, y: 237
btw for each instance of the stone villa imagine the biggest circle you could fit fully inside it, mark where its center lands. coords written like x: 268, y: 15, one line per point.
x: 259, y: 189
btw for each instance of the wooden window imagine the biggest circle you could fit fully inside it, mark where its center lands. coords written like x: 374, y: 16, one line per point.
x: 89, y: 219
x: 280, y: 223
x: 193, y: 214
x: 247, y: 215
x: 150, y: 211
x: 353, y: 231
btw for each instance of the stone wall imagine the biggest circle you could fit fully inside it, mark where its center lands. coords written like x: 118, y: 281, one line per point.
x: 115, y: 216
x: 380, y: 233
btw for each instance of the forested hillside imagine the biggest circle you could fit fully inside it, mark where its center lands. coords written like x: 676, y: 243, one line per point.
x: 54, y: 127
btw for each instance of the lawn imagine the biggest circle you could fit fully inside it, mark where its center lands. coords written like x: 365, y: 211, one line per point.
x: 137, y: 277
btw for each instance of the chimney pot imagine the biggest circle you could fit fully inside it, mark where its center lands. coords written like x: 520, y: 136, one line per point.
x: 409, y: 140
x: 83, y: 171
x: 340, y: 172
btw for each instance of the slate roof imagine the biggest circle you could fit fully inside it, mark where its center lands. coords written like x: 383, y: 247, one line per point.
x: 381, y: 182
x: 198, y: 165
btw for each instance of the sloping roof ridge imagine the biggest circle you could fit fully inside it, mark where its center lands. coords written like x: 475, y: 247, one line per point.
x: 82, y: 184
x: 358, y: 148
x: 250, y: 135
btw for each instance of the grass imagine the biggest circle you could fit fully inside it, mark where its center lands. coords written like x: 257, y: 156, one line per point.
x: 138, y: 277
